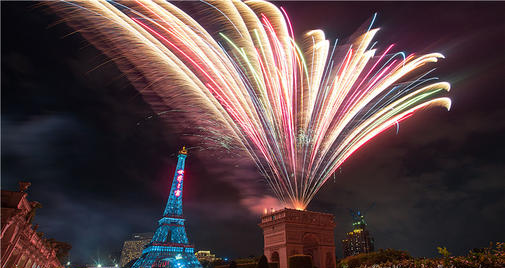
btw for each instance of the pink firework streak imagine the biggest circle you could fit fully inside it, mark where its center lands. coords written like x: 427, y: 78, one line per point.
x: 299, y: 109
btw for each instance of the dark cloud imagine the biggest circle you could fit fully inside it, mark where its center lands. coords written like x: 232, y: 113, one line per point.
x: 73, y: 131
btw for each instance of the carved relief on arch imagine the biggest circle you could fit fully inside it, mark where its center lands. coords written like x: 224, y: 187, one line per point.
x: 9, y: 232
x: 310, y: 243
x: 6, y: 227
x: 310, y: 240
x: 329, y: 260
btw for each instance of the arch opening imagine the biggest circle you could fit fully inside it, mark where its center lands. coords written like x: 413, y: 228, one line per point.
x: 274, y: 257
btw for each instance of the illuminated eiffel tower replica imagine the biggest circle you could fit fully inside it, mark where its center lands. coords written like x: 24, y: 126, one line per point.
x: 169, y: 247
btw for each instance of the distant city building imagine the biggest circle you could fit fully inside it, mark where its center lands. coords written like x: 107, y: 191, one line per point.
x: 132, y: 249
x: 289, y: 232
x: 359, y: 240
x: 21, y: 245
x: 205, y: 255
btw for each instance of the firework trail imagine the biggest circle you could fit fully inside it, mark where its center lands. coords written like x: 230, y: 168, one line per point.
x: 299, y: 109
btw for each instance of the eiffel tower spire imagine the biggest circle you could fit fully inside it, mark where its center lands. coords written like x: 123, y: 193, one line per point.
x: 169, y: 247
x: 174, y: 203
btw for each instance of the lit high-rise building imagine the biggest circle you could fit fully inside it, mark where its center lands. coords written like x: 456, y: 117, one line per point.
x: 359, y: 240
x: 132, y: 248
x: 205, y: 255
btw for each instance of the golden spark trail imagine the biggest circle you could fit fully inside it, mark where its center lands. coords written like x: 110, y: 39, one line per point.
x: 298, y: 109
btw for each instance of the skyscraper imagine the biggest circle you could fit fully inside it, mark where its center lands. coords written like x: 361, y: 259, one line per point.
x: 132, y: 248
x: 169, y: 247
x: 359, y: 240
x: 205, y: 255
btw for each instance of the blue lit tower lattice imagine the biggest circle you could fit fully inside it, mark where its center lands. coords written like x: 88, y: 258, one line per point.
x: 169, y: 247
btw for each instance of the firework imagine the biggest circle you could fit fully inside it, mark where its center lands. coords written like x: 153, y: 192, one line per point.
x: 298, y: 109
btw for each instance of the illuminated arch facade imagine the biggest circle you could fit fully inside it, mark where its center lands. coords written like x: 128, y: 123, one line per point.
x: 289, y: 232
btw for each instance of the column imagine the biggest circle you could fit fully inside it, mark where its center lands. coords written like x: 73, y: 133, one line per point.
x: 11, y: 247
x: 29, y: 262
x: 11, y: 260
x: 21, y: 260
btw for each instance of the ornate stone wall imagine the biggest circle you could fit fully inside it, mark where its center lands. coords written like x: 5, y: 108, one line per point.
x: 21, y: 246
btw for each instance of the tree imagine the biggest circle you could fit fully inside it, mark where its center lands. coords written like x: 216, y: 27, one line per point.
x: 61, y: 249
x: 377, y: 257
x: 444, y: 252
x: 263, y: 262
x: 300, y: 261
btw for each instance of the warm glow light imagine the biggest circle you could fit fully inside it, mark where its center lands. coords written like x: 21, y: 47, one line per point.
x: 299, y: 206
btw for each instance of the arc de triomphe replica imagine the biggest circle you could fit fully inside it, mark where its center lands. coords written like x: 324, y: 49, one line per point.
x: 289, y: 232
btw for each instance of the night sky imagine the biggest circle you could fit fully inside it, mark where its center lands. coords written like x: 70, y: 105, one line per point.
x: 72, y: 130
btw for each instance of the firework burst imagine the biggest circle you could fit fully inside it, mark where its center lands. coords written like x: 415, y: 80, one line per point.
x: 298, y: 109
